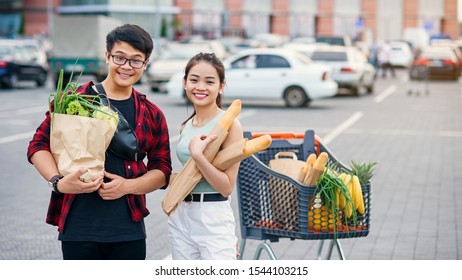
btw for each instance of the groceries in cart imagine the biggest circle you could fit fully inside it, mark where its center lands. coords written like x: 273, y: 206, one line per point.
x: 297, y: 188
x: 338, y: 200
x: 283, y: 193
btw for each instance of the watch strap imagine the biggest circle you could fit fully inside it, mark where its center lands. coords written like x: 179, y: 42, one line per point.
x: 53, y: 182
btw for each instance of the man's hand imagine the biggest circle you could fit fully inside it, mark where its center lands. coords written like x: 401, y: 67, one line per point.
x: 73, y: 185
x: 113, y: 189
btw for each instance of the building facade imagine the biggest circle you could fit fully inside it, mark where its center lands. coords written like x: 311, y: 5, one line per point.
x: 365, y: 19
x: 362, y: 19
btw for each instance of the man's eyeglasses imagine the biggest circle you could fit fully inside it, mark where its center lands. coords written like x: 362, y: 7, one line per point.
x: 120, y: 60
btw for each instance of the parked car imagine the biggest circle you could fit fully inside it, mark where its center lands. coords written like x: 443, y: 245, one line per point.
x: 17, y: 64
x: 401, y: 55
x: 351, y: 70
x: 270, y: 40
x: 37, y: 51
x: 270, y: 74
x: 235, y: 44
x: 334, y: 40
x: 171, y: 60
x: 306, y: 49
x: 435, y: 63
x: 444, y: 43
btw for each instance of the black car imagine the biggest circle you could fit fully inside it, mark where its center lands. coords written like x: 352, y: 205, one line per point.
x: 18, y: 64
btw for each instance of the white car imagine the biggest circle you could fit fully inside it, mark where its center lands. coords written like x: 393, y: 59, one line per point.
x: 171, y: 60
x: 351, y: 69
x: 401, y: 54
x: 306, y: 49
x: 270, y: 74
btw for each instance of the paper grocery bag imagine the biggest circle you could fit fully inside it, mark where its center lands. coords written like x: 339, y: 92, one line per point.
x: 80, y: 142
x: 284, y: 196
x: 288, y: 164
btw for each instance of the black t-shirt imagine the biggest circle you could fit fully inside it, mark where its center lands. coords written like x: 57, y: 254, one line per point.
x: 93, y: 219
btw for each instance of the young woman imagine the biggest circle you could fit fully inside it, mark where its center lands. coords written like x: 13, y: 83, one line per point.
x: 203, y: 226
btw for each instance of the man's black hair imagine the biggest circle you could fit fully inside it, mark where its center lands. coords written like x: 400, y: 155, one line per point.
x: 134, y: 35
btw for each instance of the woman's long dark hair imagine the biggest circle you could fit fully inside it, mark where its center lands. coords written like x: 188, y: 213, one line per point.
x: 216, y: 63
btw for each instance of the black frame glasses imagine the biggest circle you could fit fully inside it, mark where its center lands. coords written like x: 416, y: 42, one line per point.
x: 120, y: 60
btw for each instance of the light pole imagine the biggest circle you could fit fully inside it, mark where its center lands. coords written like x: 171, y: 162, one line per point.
x: 50, y: 18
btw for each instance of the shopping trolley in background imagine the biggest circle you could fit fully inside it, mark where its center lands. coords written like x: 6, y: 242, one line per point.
x: 273, y: 205
x: 418, y: 80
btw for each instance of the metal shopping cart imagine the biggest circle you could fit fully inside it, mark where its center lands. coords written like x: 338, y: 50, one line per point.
x: 273, y: 205
x: 418, y: 80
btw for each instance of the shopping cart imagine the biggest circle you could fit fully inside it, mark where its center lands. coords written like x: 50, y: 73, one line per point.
x: 418, y: 80
x: 273, y: 205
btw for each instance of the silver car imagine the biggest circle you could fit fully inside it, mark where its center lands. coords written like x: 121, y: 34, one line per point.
x: 351, y: 70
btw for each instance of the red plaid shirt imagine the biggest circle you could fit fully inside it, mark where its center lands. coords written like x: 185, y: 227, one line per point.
x: 153, y: 139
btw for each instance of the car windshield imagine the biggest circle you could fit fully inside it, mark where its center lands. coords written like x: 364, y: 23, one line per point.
x: 329, y: 56
x: 331, y: 40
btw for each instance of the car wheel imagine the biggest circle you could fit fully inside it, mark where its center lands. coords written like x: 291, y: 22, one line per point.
x: 358, y: 89
x: 295, y: 97
x: 42, y: 78
x: 370, y: 89
x: 13, y: 81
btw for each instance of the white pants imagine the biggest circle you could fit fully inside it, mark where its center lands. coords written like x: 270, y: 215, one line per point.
x: 203, y: 230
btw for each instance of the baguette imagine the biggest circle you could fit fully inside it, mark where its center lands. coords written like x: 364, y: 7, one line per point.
x: 321, y: 161
x: 240, y: 150
x: 230, y: 114
x: 311, y: 160
x: 303, y: 172
x: 189, y: 174
x: 314, y: 173
x: 257, y: 144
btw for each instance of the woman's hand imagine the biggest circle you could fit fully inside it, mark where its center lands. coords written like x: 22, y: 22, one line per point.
x: 198, y: 144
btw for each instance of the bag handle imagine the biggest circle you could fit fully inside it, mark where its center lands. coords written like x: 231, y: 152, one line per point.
x: 286, y: 154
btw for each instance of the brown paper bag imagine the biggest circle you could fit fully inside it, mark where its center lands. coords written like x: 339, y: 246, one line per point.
x: 284, y: 197
x: 288, y: 164
x: 80, y: 142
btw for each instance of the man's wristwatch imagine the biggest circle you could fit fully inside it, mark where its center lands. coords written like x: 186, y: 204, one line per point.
x: 53, y: 183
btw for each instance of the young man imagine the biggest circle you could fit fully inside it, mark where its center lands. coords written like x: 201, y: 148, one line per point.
x: 103, y: 219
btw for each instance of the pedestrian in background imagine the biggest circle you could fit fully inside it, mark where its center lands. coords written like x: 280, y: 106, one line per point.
x: 384, y: 57
x: 203, y: 226
x: 373, y: 57
x: 104, y: 219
